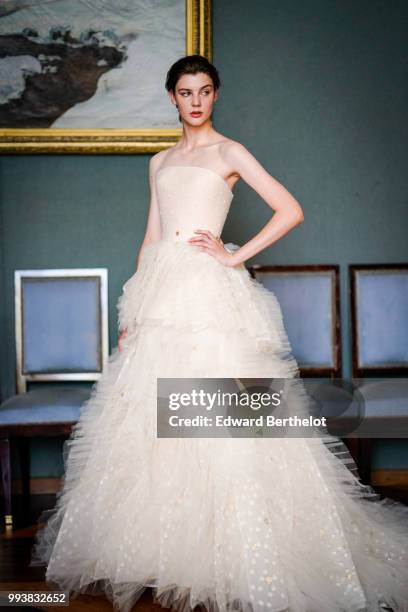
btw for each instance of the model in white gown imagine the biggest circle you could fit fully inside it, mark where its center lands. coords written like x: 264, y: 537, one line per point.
x: 257, y: 525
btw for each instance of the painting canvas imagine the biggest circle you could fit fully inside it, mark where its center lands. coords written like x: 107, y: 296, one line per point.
x: 90, y: 64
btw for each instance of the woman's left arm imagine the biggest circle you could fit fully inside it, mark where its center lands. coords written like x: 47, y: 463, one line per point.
x: 288, y: 212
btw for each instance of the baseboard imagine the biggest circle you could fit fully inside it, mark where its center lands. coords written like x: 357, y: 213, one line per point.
x: 38, y: 486
x: 389, y: 478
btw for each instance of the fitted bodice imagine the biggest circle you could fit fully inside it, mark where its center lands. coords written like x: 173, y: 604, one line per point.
x: 190, y: 198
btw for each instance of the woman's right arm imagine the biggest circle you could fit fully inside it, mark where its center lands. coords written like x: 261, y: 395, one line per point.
x: 153, y: 227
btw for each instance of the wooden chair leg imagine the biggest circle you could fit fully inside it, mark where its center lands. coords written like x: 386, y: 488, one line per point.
x: 5, y: 473
x: 24, y: 455
x: 364, y: 463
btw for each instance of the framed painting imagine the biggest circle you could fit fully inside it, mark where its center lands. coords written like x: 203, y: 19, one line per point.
x: 88, y: 77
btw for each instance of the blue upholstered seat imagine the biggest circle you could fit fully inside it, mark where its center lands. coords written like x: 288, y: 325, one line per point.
x: 386, y: 398
x: 45, y: 405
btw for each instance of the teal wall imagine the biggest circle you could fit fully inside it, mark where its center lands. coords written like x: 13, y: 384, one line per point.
x: 315, y: 90
x: 71, y: 211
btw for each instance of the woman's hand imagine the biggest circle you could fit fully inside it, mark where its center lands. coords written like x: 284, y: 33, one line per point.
x: 122, y: 335
x: 214, y: 246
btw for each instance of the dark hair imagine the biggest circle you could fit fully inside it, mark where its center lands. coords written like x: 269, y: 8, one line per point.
x: 191, y: 64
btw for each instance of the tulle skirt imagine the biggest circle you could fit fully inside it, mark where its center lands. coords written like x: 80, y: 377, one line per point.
x: 229, y: 524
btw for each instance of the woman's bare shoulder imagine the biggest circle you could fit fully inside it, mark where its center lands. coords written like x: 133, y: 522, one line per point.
x: 233, y: 155
x: 157, y: 160
x: 230, y: 146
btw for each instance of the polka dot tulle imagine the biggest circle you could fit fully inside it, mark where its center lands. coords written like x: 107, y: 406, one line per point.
x: 245, y: 524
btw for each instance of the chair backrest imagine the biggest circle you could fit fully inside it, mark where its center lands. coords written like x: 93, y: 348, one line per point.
x: 379, y: 319
x: 61, y: 324
x: 310, y: 302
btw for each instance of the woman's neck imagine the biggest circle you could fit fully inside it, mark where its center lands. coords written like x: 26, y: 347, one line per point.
x: 195, y: 138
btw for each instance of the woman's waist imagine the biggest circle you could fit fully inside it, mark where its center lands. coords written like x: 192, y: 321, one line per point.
x: 183, y: 233
x: 181, y: 244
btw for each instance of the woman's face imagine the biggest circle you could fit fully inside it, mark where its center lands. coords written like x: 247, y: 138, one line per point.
x: 194, y: 93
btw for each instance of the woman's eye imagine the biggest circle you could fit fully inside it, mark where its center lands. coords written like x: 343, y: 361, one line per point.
x: 187, y: 93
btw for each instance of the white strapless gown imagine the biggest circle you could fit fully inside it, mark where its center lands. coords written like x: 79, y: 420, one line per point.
x: 257, y: 525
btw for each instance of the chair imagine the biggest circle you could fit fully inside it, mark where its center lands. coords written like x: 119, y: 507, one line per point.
x: 379, y: 337
x: 309, y: 297
x: 61, y: 333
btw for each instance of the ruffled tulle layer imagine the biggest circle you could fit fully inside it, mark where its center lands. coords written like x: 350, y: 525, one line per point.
x: 179, y: 286
x: 231, y: 524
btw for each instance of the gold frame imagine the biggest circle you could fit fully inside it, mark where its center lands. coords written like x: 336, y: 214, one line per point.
x: 112, y: 140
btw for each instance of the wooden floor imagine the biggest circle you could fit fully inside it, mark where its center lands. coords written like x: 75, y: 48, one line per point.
x: 15, y: 555
x: 16, y: 575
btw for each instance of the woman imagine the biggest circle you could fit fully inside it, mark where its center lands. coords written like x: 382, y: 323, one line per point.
x: 245, y: 524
